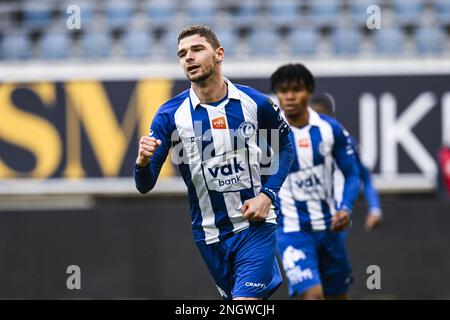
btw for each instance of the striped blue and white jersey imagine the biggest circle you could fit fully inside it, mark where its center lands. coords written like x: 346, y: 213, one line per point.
x: 220, y: 152
x: 307, y: 197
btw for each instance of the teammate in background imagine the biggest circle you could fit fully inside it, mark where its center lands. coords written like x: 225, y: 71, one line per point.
x: 311, y: 245
x: 324, y: 103
x: 214, y: 128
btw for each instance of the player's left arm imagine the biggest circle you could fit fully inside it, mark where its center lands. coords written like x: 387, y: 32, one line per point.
x: 269, y: 118
x: 374, y: 215
x: 344, y: 155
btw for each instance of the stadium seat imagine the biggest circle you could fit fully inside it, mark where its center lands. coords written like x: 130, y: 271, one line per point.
x: 118, y: 13
x: 160, y: 13
x: 346, y: 41
x: 96, y: 45
x: 228, y: 40
x: 304, y: 41
x: 55, y: 45
x: 408, y: 11
x: 430, y: 41
x: 442, y: 11
x: 246, y: 16
x: 201, y: 11
x: 263, y: 42
x: 137, y: 44
x: 283, y: 13
x: 37, y: 14
x: 389, y: 41
x: 15, y: 46
x: 324, y: 13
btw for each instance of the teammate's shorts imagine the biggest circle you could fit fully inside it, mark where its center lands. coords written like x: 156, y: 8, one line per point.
x: 245, y: 265
x: 315, y: 258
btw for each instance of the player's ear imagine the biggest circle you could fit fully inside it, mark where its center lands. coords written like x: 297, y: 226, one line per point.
x: 220, y: 52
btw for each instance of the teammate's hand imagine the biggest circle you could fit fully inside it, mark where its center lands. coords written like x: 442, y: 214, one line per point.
x: 340, y: 221
x: 147, y: 147
x: 257, y: 208
x: 372, y: 221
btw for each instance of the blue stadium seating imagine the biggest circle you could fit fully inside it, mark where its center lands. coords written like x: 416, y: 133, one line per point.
x: 37, y: 14
x: 389, y: 42
x: 160, y: 13
x: 442, y: 11
x: 15, y: 46
x: 283, y: 13
x: 324, y: 12
x: 201, y: 11
x: 408, y: 11
x: 264, y: 42
x: 55, y: 45
x: 119, y: 13
x: 346, y: 41
x: 304, y: 41
x: 430, y: 41
x: 137, y: 44
x: 96, y: 45
x: 247, y: 14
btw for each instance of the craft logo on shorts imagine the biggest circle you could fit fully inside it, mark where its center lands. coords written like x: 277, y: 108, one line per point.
x: 247, y: 129
x: 219, y: 123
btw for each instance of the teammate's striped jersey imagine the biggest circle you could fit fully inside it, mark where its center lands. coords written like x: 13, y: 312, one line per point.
x: 370, y: 193
x: 219, y: 155
x: 307, y: 195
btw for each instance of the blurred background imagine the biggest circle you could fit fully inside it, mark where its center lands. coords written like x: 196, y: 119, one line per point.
x: 80, y: 82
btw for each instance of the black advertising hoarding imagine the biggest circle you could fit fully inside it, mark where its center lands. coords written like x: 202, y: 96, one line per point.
x: 89, y: 129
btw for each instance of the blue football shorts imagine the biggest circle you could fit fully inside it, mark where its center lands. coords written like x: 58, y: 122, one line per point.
x: 315, y: 258
x: 245, y: 265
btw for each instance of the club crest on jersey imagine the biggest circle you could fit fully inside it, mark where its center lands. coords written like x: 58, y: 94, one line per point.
x: 324, y: 149
x: 246, y: 129
x: 219, y: 123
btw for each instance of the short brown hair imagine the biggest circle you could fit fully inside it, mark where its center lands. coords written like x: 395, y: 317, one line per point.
x: 203, y: 31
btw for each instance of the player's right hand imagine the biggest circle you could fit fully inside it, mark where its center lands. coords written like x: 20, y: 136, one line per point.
x: 147, y: 147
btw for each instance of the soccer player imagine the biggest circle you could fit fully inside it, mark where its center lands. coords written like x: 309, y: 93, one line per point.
x: 324, y: 103
x: 311, y: 245
x: 214, y: 128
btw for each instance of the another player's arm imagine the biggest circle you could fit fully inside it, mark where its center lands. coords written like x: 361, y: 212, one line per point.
x: 374, y: 216
x: 344, y: 154
x: 153, y: 150
x: 269, y: 118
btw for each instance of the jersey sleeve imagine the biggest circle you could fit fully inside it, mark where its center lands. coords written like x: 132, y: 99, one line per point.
x: 344, y: 155
x: 145, y: 177
x: 270, y: 119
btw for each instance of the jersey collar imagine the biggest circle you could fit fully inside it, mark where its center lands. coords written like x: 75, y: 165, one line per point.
x: 233, y: 93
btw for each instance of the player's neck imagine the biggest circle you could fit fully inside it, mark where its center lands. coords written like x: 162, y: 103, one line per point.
x: 299, y: 120
x: 211, y: 90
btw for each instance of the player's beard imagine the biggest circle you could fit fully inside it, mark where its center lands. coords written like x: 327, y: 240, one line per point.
x: 204, y: 75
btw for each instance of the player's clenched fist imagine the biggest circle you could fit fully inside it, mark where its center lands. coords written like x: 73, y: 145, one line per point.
x: 147, y: 147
